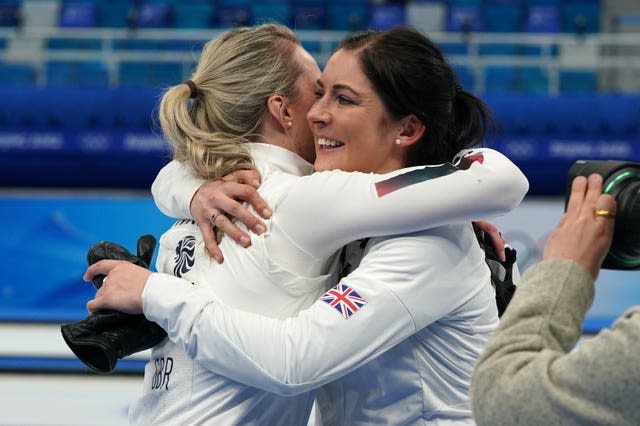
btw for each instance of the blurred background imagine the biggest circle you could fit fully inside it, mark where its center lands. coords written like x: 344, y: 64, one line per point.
x: 79, y: 146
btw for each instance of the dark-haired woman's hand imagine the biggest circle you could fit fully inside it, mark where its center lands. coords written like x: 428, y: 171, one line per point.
x: 494, y: 235
x: 215, y: 200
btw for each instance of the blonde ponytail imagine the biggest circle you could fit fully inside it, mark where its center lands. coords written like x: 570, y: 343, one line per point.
x: 236, y: 74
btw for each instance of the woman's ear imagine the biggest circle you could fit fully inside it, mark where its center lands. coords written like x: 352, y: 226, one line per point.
x: 412, y: 130
x: 278, y: 110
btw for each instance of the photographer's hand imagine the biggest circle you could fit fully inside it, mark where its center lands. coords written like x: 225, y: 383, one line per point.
x: 582, y: 235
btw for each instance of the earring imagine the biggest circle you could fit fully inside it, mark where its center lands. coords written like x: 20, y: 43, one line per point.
x: 398, y: 141
x: 289, y: 123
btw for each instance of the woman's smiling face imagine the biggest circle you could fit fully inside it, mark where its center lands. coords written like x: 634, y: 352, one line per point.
x: 352, y: 128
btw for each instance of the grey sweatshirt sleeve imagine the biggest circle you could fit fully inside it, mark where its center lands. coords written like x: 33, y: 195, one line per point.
x: 530, y: 373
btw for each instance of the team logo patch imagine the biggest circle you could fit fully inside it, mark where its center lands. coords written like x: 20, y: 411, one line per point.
x: 185, y: 256
x: 344, y: 299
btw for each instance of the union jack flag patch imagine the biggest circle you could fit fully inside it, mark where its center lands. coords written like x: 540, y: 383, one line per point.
x: 344, y: 299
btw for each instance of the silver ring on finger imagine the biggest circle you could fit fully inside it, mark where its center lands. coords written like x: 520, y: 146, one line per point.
x: 104, y: 280
x: 214, y: 217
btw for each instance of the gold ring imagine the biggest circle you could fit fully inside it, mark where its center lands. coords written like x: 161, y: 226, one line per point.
x: 605, y: 213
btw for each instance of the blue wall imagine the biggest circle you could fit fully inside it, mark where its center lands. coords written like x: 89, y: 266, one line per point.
x: 80, y: 138
x: 72, y: 139
x: 110, y: 138
x: 45, y: 241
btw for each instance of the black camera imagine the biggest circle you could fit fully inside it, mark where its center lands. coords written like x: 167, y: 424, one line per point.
x: 621, y: 179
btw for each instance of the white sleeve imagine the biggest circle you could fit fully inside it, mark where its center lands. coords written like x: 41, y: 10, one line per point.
x: 480, y: 184
x: 173, y: 189
x: 294, y: 355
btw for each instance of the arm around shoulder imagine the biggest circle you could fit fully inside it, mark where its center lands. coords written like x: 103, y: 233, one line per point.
x: 173, y: 189
x: 497, y: 175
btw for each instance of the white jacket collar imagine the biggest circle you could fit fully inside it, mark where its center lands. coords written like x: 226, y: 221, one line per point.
x: 275, y: 157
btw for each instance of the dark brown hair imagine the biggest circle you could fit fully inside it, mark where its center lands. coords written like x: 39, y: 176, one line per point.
x: 409, y: 73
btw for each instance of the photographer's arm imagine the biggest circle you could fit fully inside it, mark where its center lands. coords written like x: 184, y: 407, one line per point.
x: 529, y: 371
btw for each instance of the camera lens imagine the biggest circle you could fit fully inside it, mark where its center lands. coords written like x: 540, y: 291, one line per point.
x: 624, y: 185
x: 622, y: 181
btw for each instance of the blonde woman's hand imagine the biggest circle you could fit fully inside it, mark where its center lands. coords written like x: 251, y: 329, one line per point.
x: 121, y: 288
